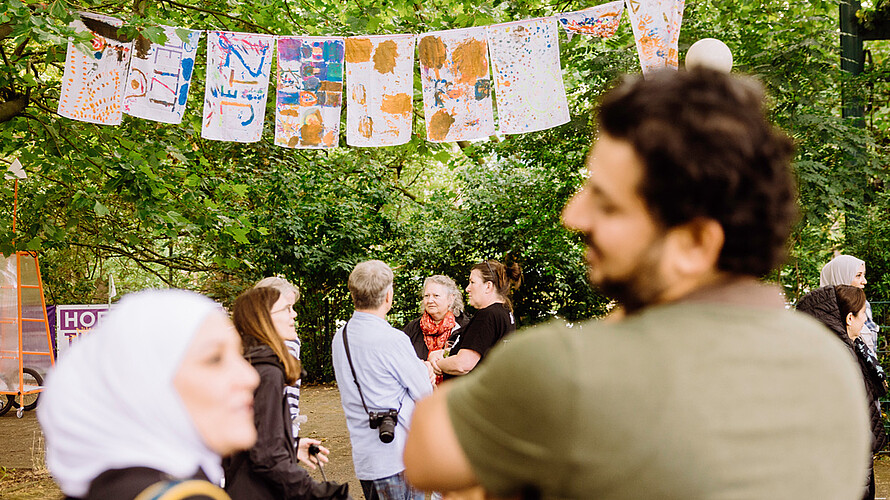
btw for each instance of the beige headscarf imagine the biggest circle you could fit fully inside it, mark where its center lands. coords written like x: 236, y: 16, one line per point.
x: 840, y: 270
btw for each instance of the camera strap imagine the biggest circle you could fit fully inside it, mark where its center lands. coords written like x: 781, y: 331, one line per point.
x: 354, y: 377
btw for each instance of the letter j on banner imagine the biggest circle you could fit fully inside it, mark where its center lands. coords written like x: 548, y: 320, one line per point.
x: 238, y: 66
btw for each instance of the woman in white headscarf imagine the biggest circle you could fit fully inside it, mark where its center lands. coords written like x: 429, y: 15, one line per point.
x: 848, y: 270
x: 150, y: 399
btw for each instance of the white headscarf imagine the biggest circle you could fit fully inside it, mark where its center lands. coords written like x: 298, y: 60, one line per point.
x: 840, y: 270
x: 110, y: 401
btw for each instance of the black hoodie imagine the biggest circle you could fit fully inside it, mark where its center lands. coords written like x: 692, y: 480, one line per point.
x: 269, y: 470
x: 821, y: 304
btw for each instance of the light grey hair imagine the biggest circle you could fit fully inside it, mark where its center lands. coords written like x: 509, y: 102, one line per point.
x: 282, y: 285
x: 457, y: 305
x: 369, y: 282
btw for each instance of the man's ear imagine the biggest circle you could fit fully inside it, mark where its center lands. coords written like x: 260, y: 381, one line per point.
x: 696, y: 246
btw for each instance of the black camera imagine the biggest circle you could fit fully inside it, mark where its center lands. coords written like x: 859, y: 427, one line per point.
x: 385, y: 423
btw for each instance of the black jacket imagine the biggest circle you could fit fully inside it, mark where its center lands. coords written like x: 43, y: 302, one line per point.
x: 821, y: 303
x: 130, y: 482
x: 414, y: 332
x: 269, y: 470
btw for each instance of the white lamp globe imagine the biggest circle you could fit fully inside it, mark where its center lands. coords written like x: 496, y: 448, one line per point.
x: 709, y: 53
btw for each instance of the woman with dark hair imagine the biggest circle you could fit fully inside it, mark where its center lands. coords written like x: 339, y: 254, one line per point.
x: 491, y: 284
x: 443, y: 316
x: 842, y: 309
x: 265, y: 319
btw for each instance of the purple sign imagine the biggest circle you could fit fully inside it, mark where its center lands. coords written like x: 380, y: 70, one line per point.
x: 75, y: 320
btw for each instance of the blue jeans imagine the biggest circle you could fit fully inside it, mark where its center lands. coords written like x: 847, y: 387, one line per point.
x: 390, y: 488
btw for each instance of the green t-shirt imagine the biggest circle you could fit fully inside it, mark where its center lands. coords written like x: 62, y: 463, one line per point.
x: 685, y: 401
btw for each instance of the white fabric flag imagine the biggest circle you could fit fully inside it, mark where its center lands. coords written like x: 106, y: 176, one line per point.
x: 93, y: 82
x: 379, y: 90
x: 309, y: 93
x: 656, y: 25
x: 601, y: 21
x: 160, y: 77
x: 238, y: 66
x: 454, y: 72
x: 528, y: 79
x: 16, y: 171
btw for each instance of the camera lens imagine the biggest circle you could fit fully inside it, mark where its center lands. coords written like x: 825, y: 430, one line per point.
x: 387, y: 429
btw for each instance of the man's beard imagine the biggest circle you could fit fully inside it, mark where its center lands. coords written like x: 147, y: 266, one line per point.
x: 642, y: 285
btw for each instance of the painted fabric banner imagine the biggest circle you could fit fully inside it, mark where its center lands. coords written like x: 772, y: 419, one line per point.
x: 454, y: 71
x: 309, y: 92
x: 379, y: 89
x: 93, y: 82
x: 238, y: 66
x: 528, y: 79
x: 160, y: 77
x: 601, y: 21
x: 656, y: 25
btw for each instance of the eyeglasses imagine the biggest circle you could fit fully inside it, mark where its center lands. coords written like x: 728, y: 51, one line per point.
x: 283, y: 309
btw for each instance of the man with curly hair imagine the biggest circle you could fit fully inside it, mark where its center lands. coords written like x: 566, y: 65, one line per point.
x: 705, y: 386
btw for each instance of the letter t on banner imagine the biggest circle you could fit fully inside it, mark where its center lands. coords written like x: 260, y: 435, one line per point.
x: 656, y: 25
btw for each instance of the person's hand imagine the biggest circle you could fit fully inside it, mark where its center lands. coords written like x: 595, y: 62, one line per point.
x: 434, y: 359
x: 432, y: 372
x: 303, y: 452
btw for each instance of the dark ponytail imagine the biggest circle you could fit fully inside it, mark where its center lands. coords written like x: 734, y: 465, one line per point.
x: 505, y: 278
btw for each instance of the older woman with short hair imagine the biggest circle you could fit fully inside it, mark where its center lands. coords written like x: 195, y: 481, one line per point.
x: 443, y: 315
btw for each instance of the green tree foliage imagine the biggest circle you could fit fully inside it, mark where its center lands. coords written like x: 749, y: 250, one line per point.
x: 158, y: 206
x: 794, y: 50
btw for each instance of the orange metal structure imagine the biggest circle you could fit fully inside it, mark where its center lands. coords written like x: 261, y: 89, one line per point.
x: 25, y: 340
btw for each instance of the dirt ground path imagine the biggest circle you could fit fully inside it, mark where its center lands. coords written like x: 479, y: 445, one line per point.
x: 23, y: 475
x: 321, y: 404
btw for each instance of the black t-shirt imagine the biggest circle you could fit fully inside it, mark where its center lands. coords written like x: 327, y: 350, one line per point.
x: 486, y: 329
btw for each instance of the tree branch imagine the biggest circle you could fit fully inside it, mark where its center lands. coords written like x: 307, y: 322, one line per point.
x: 290, y: 16
x: 406, y: 192
x: 177, y: 263
x: 13, y: 106
x: 217, y: 13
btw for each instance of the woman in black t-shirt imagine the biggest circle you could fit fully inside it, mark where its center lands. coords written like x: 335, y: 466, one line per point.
x: 489, y: 292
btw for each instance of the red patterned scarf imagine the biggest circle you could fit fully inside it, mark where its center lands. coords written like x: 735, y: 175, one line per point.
x: 435, y: 334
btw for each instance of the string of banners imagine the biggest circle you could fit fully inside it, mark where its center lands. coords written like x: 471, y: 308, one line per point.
x: 457, y: 68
